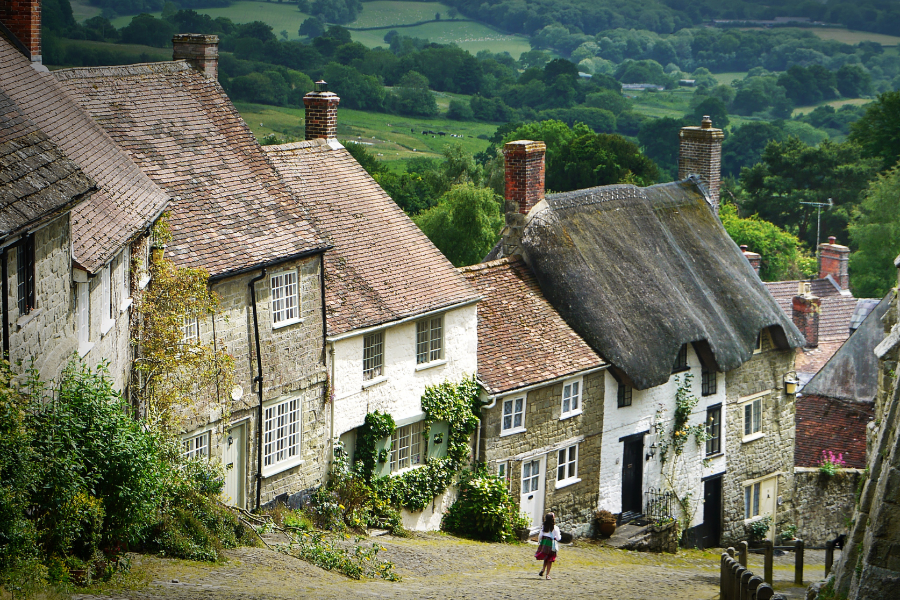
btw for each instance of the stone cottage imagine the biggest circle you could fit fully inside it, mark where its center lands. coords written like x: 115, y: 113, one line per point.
x: 399, y: 317
x: 697, y: 347
x: 70, y: 280
x: 235, y: 217
x: 543, y: 394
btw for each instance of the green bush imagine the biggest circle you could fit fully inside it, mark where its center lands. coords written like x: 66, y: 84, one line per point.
x: 484, y: 509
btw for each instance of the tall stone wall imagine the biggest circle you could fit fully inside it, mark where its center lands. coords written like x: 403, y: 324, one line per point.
x: 757, y: 456
x: 573, y: 504
x: 823, y: 505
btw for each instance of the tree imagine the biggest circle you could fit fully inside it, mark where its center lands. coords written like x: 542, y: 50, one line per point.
x: 660, y: 140
x: 792, y: 172
x: 459, y: 111
x: 147, y: 30
x: 745, y: 145
x: 875, y: 231
x: 853, y: 81
x: 878, y: 130
x: 781, y: 256
x: 464, y: 225
x: 412, y: 96
x: 336, y: 11
x: 312, y: 27
x: 714, y: 108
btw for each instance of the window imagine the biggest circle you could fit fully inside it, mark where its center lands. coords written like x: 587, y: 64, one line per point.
x: 285, y: 307
x: 106, y: 307
x: 571, y: 398
x: 501, y: 470
x: 513, y: 415
x: 429, y: 340
x: 25, y: 275
x: 83, y: 316
x: 714, y: 430
x: 567, y: 465
x: 406, y: 446
x: 753, y: 417
x: 125, y: 279
x: 196, y: 447
x: 708, y: 381
x: 624, y: 395
x: 759, y: 341
x: 373, y: 355
x: 190, y: 330
x: 751, y: 500
x: 281, y: 431
x: 681, y: 360
x: 531, y: 476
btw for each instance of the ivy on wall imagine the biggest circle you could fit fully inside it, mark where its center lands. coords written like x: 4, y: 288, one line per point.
x: 414, y: 489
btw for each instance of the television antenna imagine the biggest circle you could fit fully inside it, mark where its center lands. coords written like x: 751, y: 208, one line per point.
x: 819, y: 206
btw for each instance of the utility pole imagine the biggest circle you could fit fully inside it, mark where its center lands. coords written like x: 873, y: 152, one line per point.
x: 819, y: 206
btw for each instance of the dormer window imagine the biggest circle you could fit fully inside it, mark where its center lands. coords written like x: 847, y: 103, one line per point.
x: 681, y: 363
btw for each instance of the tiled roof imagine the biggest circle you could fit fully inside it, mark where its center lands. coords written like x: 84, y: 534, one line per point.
x: 126, y: 202
x: 382, y: 267
x: 37, y: 182
x: 837, y: 309
x: 830, y: 424
x: 232, y: 211
x: 522, y: 340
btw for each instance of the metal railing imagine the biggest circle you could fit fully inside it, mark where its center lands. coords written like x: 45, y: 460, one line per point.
x: 658, y: 506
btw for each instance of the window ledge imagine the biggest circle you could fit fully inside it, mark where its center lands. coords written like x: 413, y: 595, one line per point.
x: 752, y: 436
x: 569, y: 415
x: 126, y: 305
x: 567, y: 482
x: 405, y: 469
x: 144, y: 281
x: 283, y: 466
x: 106, y: 325
x: 286, y: 323
x: 716, y: 455
x: 512, y: 431
x: 431, y: 365
x: 376, y: 381
x: 754, y: 519
x: 26, y: 319
x: 84, y: 349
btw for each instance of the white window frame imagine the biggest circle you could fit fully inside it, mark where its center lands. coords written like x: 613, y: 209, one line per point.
x: 571, y: 401
x: 407, y: 447
x: 190, y: 329
x: 754, y: 406
x: 752, y: 493
x: 196, y: 445
x: 285, y: 298
x: 512, y: 414
x: 125, y: 299
x: 375, y: 372
x: 106, y: 305
x: 430, y: 340
x: 282, y: 429
x: 533, y: 478
x: 568, y: 465
x: 83, y: 317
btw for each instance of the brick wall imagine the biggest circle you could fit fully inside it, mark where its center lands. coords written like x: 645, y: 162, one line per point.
x: 524, y: 161
x: 834, y: 260
x: 321, y: 115
x: 701, y: 154
x: 805, y: 312
x: 23, y: 19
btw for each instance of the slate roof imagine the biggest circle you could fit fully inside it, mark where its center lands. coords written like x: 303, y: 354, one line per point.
x: 522, y: 340
x: 126, y: 201
x: 638, y: 272
x: 231, y: 212
x: 37, y: 181
x: 382, y: 267
x: 836, y: 308
x: 829, y: 424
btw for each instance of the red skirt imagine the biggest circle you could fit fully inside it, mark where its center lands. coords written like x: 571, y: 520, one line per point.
x: 545, y: 550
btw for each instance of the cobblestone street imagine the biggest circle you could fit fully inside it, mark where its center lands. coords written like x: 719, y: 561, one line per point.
x: 437, y: 566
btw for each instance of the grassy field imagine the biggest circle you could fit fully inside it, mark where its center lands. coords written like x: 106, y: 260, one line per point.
x: 727, y: 78
x: 282, y: 17
x: 802, y: 110
x: 153, y: 54
x: 81, y: 10
x: 394, y: 139
x: 384, y: 13
x: 467, y: 35
x: 848, y: 36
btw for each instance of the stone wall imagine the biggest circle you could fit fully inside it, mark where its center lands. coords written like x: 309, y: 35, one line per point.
x: 770, y: 454
x: 823, y: 505
x: 575, y: 503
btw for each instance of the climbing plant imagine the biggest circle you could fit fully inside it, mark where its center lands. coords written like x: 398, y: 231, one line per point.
x: 377, y: 426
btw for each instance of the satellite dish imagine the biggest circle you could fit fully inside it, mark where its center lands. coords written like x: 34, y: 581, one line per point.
x: 237, y: 392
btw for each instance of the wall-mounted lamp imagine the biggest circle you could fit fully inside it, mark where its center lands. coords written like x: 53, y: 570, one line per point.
x: 790, y: 384
x: 652, y: 451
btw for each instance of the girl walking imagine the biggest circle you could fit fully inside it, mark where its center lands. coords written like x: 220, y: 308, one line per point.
x: 548, y: 544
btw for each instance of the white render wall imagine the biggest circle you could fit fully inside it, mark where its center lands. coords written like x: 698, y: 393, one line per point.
x: 401, y: 390
x: 641, y: 416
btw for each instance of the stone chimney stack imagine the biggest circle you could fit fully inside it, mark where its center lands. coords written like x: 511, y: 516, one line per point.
x: 805, y: 314
x: 321, y: 112
x: 22, y: 18
x: 201, y: 51
x: 701, y: 154
x: 752, y: 257
x: 834, y: 260
x: 524, y: 160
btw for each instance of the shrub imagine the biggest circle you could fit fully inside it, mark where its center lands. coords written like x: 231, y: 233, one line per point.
x: 831, y: 462
x: 758, y: 529
x: 484, y: 509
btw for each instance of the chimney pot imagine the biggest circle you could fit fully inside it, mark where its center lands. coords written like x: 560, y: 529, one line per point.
x: 706, y: 123
x: 199, y: 50
x: 832, y: 239
x: 834, y: 260
x: 752, y: 257
x: 321, y: 86
x: 700, y: 154
x: 743, y: 247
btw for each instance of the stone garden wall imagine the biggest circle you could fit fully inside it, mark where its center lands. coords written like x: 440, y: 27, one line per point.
x: 823, y: 505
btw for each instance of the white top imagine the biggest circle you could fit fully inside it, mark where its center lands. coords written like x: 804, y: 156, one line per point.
x: 554, y: 535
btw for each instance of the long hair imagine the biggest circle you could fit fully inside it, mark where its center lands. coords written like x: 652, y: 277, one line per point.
x: 549, y: 522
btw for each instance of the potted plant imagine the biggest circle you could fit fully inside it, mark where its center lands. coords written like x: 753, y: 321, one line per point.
x: 788, y: 534
x: 606, y: 522
x: 757, y: 531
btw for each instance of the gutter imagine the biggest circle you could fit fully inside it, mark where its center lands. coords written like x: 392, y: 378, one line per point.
x: 258, y: 380
x: 268, y: 264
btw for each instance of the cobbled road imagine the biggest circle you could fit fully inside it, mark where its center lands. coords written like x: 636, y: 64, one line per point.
x: 435, y: 566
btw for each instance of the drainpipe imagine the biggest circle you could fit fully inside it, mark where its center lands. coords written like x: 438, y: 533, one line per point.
x: 258, y: 380
x: 332, y: 399
x: 5, y: 293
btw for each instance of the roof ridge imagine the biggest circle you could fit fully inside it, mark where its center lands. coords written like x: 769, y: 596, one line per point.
x: 169, y: 66
x: 489, y: 264
x: 298, y: 145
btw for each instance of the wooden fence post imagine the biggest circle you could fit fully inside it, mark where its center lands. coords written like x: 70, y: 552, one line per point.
x: 742, y: 552
x: 764, y: 592
x: 768, y: 564
x: 752, y: 586
x: 798, y: 562
x: 723, y: 586
x: 746, y: 576
x: 737, y: 571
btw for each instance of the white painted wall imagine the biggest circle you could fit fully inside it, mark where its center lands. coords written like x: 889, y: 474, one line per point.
x: 640, y: 416
x: 401, y: 391
x: 429, y: 519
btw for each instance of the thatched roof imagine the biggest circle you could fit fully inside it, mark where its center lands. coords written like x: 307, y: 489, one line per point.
x: 638, y: 272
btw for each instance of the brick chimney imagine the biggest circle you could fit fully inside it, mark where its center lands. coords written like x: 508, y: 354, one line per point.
x: 524, y: 161
x: 201, y: 51
x: 805, y: 309
x: 701, y: 154
x: 321, y: 112
x: 752, y: 257
x: 22, y: 18
x: 833, y: 260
